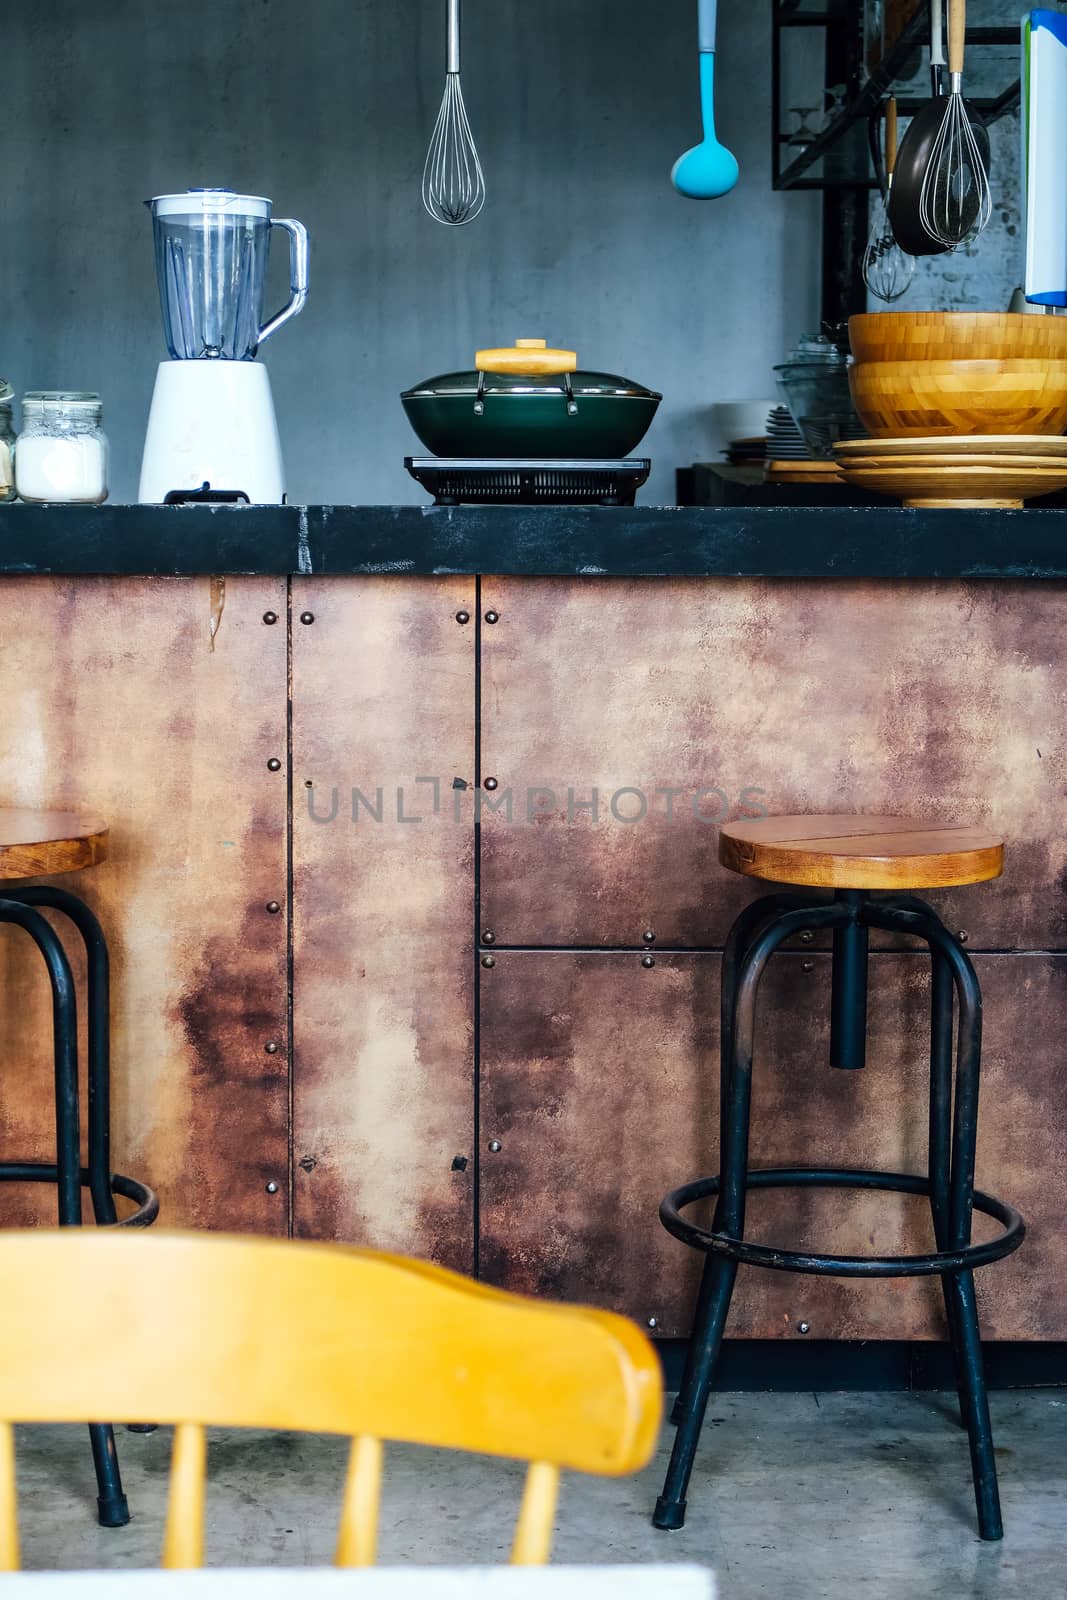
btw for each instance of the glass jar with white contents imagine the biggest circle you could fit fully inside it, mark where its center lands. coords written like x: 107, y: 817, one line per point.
x: 61, y: 453
x: 7, y: 443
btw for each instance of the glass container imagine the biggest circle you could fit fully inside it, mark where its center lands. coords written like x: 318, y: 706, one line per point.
x: 61, y: 455
x: 7, y: 443
x: 813, y: 382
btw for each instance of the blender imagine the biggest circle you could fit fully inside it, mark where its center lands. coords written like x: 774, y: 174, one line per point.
x: 212, y: 433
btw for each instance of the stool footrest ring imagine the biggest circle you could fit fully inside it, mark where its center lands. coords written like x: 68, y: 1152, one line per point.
x: 146, y: 1199
x: 761, y: 1255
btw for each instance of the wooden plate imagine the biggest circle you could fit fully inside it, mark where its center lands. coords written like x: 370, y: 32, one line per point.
x: 950, y: 459
x: 811, y: 473
x: 935, y: 483
x: 982, y: 444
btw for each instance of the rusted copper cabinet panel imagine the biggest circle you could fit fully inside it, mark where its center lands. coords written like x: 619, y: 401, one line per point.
x: 599, y: 1083
x: 700, y: 699
x: 383, y: 704
x: 157, y: 704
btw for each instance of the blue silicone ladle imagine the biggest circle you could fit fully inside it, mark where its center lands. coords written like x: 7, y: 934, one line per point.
x: 708, y: 170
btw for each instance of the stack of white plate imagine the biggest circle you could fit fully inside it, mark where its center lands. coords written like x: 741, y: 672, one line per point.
x: 784, y: 439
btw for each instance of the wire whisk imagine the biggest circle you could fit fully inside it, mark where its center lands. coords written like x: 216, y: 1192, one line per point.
x: 955, y: 202
x: 887, y: 269
x: 453, y: 184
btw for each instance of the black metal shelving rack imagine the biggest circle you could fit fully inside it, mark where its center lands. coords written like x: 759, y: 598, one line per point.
x: 845, y: 194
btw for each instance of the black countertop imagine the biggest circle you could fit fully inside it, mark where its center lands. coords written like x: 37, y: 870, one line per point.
x: 566, y: 541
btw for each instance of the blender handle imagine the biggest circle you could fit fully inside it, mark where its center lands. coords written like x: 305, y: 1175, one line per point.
x: 298, y: 275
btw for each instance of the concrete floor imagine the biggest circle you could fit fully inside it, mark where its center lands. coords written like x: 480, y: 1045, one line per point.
x: 812, y: 1497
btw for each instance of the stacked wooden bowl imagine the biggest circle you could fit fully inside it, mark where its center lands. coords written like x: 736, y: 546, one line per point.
x: 964, y: 408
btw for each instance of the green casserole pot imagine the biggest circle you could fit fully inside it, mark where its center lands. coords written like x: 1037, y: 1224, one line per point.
x: 530, y: 402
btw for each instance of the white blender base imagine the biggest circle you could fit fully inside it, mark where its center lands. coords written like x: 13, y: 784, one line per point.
x: 212, y: 422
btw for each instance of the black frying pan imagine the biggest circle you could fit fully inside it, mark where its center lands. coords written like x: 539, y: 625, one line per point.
x: 913, y: 158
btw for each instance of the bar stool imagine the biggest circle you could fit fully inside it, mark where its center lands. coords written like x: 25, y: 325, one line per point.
x: 853, y: 857
x: 33, y: 844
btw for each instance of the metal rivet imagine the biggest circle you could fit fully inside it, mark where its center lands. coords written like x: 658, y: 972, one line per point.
x: 307, y: 1163
x: 492, y: 616
x: 495, y: 1147
x: 274, y: 765
x: 807, y: 936
x: 272, y: 1187
x: 803, y: 1327
x: 648, y: 961
x: 489, y: 961
x: 489, y: 937
x: 653, y: 1322
x: 270, y: 617
x: 649, y: 936
x: 807, y: 966
x: 963, y: 936
x: 273, y: 907
x: 491, y: 784
x: 307, y: 618
x: 459, y: 1163
x: 271, y: 1047
x: 463, y: 616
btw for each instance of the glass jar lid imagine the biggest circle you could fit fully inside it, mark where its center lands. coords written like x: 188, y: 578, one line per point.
x: 815, y: 350
x: 61, y: 399
x: 6, y: 392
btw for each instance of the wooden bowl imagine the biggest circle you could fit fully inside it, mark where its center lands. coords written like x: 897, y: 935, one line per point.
x: 900, y: 398
x: 956, y: 336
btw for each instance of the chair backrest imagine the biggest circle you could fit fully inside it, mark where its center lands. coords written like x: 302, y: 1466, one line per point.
x: 202, y: 1329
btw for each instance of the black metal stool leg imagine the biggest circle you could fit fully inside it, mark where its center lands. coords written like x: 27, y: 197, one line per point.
x: 745, y: 928
x: 716, y: 1291
x: 99, y: 1034
x: 960, y: 1295
x: 65, y: 1046
x: 942, y: 992
x: 848, y: 994
x: 112, y: 1507
x: 721, y: 1271
x: 967, y: 1338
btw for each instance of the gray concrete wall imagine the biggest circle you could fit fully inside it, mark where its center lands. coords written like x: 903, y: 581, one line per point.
x: 579, y: 108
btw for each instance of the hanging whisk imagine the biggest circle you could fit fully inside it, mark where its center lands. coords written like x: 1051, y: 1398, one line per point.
x: 453, y: 185
x: 887, y: 269
x: 955, y: 203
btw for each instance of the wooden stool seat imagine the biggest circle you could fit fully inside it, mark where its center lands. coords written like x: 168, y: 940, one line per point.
x: 845, y: 852
x: 36, y: 843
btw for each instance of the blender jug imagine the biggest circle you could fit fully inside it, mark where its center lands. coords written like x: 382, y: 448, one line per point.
x: 211, y: 261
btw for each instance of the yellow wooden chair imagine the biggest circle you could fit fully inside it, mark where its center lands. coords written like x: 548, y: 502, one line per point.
x: 206, y: 1329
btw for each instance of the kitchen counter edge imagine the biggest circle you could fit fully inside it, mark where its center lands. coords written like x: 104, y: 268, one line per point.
x: 532, y: 541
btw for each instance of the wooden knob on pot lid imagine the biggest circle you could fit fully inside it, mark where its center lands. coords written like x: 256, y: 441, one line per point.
x: 528, y: 358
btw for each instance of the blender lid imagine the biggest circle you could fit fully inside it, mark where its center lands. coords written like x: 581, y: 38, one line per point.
x: 209, y: 202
